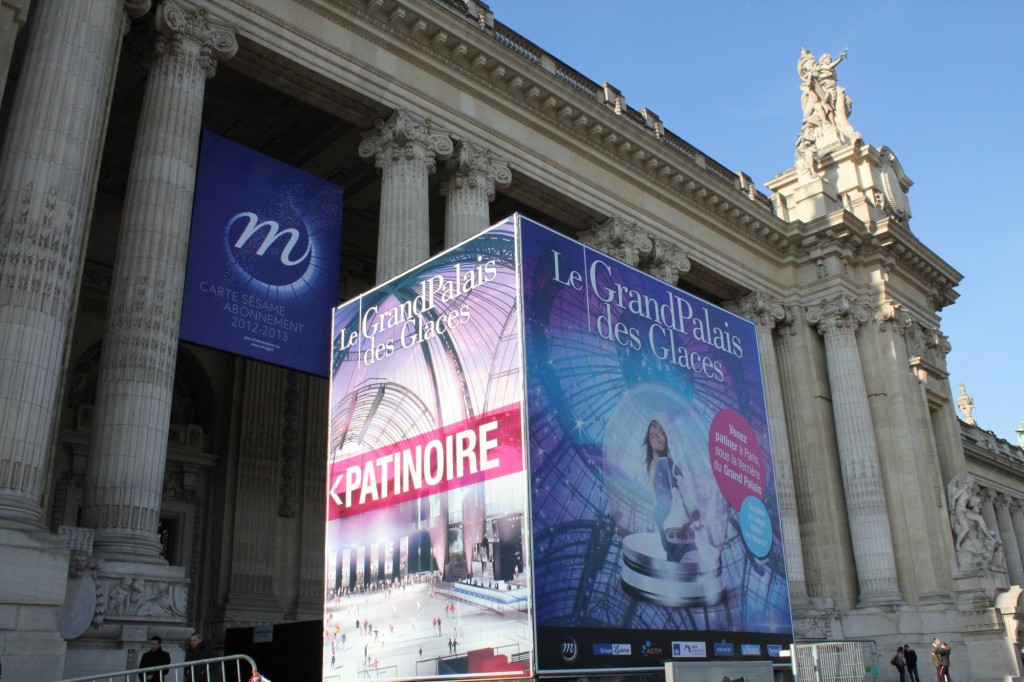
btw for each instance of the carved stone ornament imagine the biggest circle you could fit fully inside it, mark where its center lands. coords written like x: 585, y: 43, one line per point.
x: 82, y: 596
x: 759, y: 308
x: 178, y: 25
x: 129, y: 598
x: 966, y: 405
x: 929, y: 344
x: 667, y: 262
x: 406, y: 136
x: 474, y: 166
x: 891, y: 316
x: 619, y: 239
x: 976, y: 545
x: 895, y: 184
x: 826, y: 110
x: 842, y: 312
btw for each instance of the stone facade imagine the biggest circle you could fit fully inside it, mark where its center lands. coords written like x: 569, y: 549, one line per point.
x: 142, y: 478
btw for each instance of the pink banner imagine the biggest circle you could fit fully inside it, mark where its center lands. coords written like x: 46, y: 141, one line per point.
x: 477, y: 449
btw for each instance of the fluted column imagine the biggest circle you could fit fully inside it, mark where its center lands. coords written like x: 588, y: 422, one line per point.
x: 47, y: 177
x: 471, y: 177
x: 1011, y: 548
x: 124, y: 476
x: 405, y: 149
x: 262, y: 425
x: 1017, y: 519
x: 837, y: 321
x: 765, y: 313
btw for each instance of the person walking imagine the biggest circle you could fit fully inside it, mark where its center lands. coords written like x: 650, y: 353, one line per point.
x: 153, y: 658
x: 197, y: 651
x: 940, y: 659
x: 911, y: 656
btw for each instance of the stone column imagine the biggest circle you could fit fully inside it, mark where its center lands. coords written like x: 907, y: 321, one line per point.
x: 124, y: 475
x: 1017, y: 519
x: 405, y: 149
x: 47, y: 178
x: 1008, y: 536
x: 314, y: 506
x: 257, y: 501
x: 472, y: 175
x: 837, y: 321
x: 766, y: 312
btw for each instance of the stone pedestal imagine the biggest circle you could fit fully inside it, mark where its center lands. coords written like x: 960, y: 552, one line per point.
x: 985, y: 645
x: 804, y: 197
x: 132, y: 603
x: 32, y: 584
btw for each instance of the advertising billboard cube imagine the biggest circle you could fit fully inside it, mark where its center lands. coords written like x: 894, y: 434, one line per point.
x: 544, y: 461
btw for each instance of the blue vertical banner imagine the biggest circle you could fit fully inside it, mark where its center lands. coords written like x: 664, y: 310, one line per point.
x: 263, y: 258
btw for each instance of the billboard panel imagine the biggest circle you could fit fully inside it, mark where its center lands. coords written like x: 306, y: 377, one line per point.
x: 427, y: 540
x: 656, y: 533
x: 263, y: 258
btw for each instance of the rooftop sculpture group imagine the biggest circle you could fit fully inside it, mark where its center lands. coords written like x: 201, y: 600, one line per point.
x: 826, y: 110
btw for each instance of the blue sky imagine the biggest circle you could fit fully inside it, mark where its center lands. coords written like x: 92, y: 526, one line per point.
x: 941, y: 83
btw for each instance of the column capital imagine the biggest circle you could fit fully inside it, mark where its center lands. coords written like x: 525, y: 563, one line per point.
x: 759, y: 308
x: 179, y: 25
x: 842, y: 312
x: 474, y: 166
x: 406, y: 136
x: 890, y: 316
x: 1001, y: 500
x: 667, y: 261
x: 618, y: 238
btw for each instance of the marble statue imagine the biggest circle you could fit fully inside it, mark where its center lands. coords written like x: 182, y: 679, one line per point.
x: 826, y: 109
x: 975, y: 543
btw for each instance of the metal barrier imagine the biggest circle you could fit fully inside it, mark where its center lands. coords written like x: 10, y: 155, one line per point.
x: 236, y: 668
x: 848, y: 660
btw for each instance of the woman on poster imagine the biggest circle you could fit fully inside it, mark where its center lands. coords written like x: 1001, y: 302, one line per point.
x: 676, y: 524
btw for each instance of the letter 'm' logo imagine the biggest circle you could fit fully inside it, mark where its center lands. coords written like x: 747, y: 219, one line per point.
x: 569, y: 649
x: 271, y: 254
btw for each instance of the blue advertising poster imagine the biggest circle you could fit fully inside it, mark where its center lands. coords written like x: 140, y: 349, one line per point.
x: 263, y: 258
x: 656, y: 533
